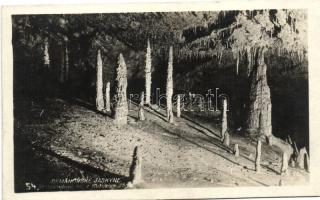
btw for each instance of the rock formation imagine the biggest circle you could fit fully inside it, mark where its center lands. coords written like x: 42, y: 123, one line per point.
x: 258, y: 156
x: 224, y: 121
x: 141, y: 111
x: 303, y: 159
x: 99, y: 84
x: 178, y: 106
x: 236, y: 150
x: 249, y: 59
x: 259, y: 118
x: 107, y: 97
x: 284, y: 165
x: 306, y: 162
x: 120, y: 112
x: 226, y: 139
x: 148, y: 75
x: 169, y: 88
x: 201, y: 104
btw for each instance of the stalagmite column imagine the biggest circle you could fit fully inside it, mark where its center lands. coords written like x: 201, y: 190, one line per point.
x: 200, y: 104
x: 258, y: 156
x: 280, y: 182
x: 107, y: 97
x: 66, y: 57
x: 148, y: 74
x: 141, y: 112
x: 178, y: 106
x: 121, y: 106
x: 301, y: 160
x: 190, y: 102
x: 236, y: 150
x: 266, y: 126
x: 284, y: 165
x: 46, y: 57
x: 259, y: 118
x: 224, y: 126
x: 306, y: 162
x: 226, y: 139
x: 169, y: 87
x: 135, y: 173
x: 292, y: 162
x: 99, y: 92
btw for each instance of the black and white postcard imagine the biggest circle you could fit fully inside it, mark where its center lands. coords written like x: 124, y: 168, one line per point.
x: 161, y: 100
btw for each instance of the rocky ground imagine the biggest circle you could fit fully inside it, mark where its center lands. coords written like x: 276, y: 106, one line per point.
x: 66, y: 145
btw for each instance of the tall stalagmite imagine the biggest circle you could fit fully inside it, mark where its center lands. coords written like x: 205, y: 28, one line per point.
x: 148, y: 75
x: 258, y: 156
x: 226, y: 139
x: 99, y: 84
x: 259, y: 118
x: 301, y: 160
x: 236, y: 150
x: 284, y: 164
x: 107, y: 96
x: 178, y: 106
x: 224, y: 126
x: 169, y: 87
x: 141, y: 111
x: 121, y: 106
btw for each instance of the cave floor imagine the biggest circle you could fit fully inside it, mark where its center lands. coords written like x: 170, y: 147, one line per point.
x: 66, y: 139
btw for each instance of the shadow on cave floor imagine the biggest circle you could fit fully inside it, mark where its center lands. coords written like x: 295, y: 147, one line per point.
x: 85, y: 104
x: 200, y: 125
x: 52, y: 171
x: 205, y: 138
x: 181, y: 130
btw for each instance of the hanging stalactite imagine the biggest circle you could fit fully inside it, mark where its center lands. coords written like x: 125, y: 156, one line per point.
x: 249, y: 59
